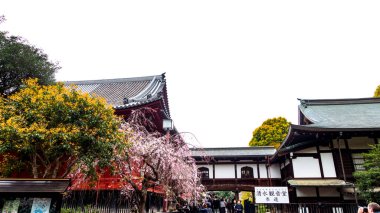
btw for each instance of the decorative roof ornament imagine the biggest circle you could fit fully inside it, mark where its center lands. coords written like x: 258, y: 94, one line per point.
x: 303, y: 103
x: 125, y: 100
x: 163, y: 76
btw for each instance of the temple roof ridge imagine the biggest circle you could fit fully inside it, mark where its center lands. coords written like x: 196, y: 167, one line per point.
x: 341, y: 101
x: 112, y: 80
x: 124, y: 93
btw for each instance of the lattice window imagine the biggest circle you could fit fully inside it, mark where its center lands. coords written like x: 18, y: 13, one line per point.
x: 203, y: 172
x: 358, y: 160
x: 246, y: 172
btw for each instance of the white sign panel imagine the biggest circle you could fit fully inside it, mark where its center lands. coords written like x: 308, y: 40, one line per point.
x: 41, y: 205
x: 271, y: 194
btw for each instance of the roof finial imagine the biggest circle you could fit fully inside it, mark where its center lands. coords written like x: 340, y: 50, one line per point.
x: 163, y: 76
x: 303, y: 103
x: 125, y: 100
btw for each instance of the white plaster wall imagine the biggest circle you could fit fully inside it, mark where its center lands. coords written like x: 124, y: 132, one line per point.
x: 328, y: 192
x: 263, y: 171
x: 328, y: 165
x: 275, y: 171
x: 225, y: 171
x: 308, y: 150
x: 306, y: 167
x: 210, y: 174
x: 254, y: 167
x: 360, y: 143
x: 306, y: 192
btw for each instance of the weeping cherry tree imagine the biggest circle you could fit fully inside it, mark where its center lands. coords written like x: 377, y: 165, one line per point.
x: 154, y: 159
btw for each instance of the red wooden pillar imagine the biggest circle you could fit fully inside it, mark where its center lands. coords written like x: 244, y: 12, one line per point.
x: 165, y: 204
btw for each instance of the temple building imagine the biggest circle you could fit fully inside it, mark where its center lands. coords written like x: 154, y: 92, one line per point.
x: 237, y: 168
x: 316, y: 160
x: 125, y: 95
x: 320, y: 154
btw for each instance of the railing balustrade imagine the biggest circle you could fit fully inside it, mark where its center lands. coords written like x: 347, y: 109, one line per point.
x: 254, y: 208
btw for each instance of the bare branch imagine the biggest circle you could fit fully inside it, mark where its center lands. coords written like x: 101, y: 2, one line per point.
x: 69, y: 165
x: 47, y: 171
x: 150, y: 177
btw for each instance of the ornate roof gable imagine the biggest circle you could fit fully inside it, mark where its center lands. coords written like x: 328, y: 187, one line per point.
x: 124, y: 93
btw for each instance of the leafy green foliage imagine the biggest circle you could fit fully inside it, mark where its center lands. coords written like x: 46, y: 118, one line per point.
x: 369, y: 179
x: 49, y: 130
x: 271, y: 133
x: 227, y: 195
x: 20, y: 60
x: 87, y: 208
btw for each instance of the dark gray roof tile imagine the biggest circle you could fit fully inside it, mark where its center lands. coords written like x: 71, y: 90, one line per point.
x: 342, y: 113
x: 139, y: 90
x: 234, y: 151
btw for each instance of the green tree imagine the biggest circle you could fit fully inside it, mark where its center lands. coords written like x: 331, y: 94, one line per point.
x: 48, y: 131
x: 271, y: 133
x: 20, y: 60
x: 227, y: 195
x: 377, y: 92
x: 369, y: 179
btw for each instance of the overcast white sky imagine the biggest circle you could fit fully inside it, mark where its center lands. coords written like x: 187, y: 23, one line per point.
x: 230, y: 65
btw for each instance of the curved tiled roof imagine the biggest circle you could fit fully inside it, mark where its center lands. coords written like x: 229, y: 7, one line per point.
x: 124, y: 93
x: 334, y: 116
x: 233, y: 151
x: 342, y: 113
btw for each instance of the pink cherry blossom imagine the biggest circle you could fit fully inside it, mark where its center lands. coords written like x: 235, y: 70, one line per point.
x: 155, y: 159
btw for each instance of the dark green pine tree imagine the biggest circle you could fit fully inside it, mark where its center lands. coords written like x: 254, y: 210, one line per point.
x: 20, y: 60
x: 369, y: 180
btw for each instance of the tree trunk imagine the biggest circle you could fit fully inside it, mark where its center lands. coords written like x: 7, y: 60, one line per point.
x: 56, y: 168
x: 142, y: 201
x: 34, y: 166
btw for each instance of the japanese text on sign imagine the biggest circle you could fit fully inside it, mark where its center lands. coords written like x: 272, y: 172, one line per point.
x: 271, y: 194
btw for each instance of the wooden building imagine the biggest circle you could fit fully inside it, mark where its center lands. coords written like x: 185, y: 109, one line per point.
x: 316, y: 160
x: 320, y: 154
x: 236, y: 168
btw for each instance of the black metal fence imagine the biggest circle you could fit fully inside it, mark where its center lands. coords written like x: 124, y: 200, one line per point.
x: 305, y: 208
x: 254, y: 208
x: 106, y: 201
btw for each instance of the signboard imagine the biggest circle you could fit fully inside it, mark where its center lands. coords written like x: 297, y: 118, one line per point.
x: 271, y: 194
x: 11, y: 206
x: 41, y: 205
